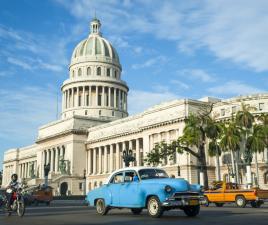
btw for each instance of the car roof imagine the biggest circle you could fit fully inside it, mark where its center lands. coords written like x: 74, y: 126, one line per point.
x: 136, y: 168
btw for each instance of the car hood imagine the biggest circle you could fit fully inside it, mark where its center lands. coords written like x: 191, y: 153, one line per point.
x: 177, y: 184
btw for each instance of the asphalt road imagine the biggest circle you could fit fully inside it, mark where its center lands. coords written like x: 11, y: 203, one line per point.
x: 75, y: 214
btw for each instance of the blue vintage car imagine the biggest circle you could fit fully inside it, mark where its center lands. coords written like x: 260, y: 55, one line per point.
x: 138, y: 188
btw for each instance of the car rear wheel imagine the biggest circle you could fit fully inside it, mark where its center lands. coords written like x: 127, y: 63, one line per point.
x: 219, y: 204
x: 154, y: 207
x: 240, y: 201
x: 256, y: 204
x: 101, y: 208
x: 136, y: 211
x: 191, y: 211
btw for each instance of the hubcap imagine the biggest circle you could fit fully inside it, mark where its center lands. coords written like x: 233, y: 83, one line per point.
x: 240, y: 201
x: 99, y: 206
x: 153, y: 206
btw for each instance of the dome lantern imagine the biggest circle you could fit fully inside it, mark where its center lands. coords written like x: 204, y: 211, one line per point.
x: 95, y: 26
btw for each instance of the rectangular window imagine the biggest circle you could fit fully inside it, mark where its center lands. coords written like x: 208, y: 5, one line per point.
x: 87, y: 100
x: 80, y: 186
x: 99, y: 100
x: 261, y: 106
x: 222, y: 112
x: 233, y: 109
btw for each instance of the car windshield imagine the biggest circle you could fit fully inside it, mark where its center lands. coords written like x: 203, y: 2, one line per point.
x: 152, y: 174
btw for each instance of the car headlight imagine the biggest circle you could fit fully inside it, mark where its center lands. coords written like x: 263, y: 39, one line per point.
x: 168, y: 189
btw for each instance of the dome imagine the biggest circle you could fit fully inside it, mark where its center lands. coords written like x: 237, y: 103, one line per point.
x: 95, y: 47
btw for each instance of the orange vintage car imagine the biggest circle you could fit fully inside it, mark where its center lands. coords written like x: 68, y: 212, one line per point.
x: 223, y: 193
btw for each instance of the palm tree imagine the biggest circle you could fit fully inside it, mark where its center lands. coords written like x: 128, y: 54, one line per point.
x: 213, y: 132
x: 245, y: 120
x: 230, y: 141
x: 255, y: 143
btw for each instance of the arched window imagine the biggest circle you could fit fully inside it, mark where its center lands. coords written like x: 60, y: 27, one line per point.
x: 98, y: 71
x: 79, y: 72
x: 108, y: 72
x: 88, y: 71
x: 266, y: 177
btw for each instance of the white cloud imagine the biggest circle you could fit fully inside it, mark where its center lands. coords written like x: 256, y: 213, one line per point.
x: 23, y: 110
x: 231, y: 30
x: 196, y: 74
x: 233, y: 88
x: 139, y: 100
x: 180, y: 84
x: 19, y: 63
x: 159, y: 60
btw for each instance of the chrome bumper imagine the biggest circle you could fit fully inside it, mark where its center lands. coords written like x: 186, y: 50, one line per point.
x: 184, y: 201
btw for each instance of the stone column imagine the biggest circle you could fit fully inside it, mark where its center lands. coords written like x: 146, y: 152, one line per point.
x: 83, y: 97
x: 97, y: 95
x: 138, y: 152
x: 111, y: 158
x: 103, y: 96
x: 117, y: 156
x: 57, y: 160
x: 77, y: 97
x: 89, y: 159
x: 109, y: 97
x: 100, y: 159
x: 126, y: 100
x: 105, y: 161
x: 115, y: 98
x: 94, y: 160
x: 90, y: 96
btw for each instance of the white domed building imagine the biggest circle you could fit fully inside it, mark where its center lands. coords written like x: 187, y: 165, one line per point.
x: 86, y: 144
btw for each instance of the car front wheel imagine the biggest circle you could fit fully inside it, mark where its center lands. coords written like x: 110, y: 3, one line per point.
x: 101, y: 208
x: 191, y: 211
x: 154, y: 207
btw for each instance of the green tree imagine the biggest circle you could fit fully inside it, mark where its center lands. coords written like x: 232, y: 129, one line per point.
x: 230, y: 141
x: 213, y: 132
x: 256, y: 144
x: 193, y: 141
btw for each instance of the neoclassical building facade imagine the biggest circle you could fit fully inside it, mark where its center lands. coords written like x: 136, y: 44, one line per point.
x: 86, y: 144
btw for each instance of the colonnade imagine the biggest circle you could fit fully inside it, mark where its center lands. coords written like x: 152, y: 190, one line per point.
x: 107, y: 158
x: 52, y: 156
x: 104, y: 96
x: 24, y: 169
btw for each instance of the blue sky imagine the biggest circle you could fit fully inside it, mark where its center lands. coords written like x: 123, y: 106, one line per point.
x: 168, y: 50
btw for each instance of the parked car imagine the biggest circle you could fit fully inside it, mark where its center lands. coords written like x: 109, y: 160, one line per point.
x: 138, y: 188
x: 222, y: 193
x: 43, y: 195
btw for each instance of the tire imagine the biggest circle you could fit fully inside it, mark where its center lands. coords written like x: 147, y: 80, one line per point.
x: 256, y: 204
x: 206, y: 201
x: 219, y: 204
x: 21, y: 208
x: 192, y: 211
x: 240, y: 201
x: 101, y: 208
x: 136, y: 211
x: 154, y: 207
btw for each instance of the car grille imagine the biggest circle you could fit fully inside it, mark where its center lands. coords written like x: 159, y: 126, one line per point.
x: 185, y: 194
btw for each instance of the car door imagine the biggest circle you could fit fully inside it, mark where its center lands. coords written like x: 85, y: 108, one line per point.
x: 129, y: 191
x: 114, y: 186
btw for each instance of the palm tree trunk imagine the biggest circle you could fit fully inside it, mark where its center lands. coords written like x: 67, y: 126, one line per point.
x: 233, y: 167
x: 257, y: 168
x: 237, y: 168
x: 218, y: 171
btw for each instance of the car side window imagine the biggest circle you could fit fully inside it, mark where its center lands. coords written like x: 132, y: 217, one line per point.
x: 129, y: 175
x: 117, y: 178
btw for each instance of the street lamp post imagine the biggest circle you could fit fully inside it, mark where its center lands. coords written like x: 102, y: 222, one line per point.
x: 128, y: 157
